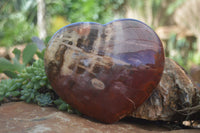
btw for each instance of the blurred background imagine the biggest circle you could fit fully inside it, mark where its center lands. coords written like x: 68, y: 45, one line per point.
x: 177, y: 22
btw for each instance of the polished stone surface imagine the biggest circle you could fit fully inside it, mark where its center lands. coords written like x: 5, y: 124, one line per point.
x: 105, y: 71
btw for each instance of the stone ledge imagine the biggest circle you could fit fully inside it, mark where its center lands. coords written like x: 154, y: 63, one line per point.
x: 20, y: 117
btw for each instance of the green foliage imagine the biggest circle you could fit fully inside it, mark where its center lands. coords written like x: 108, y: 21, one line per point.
x: 84, y: 10
x: 32, y: 78
x: 17, y: 21
x: 11, y: 68
x: 173, y: 5
x: 44, y: 99
x: 8, y: 88
x: 18, y: 18
x: 62, y: 105
x: 32, y: 86
x: 28, y: 53
x: 27, y: 83
x: 183, y: 52
x: 6, y: 65
x: 14, y: 29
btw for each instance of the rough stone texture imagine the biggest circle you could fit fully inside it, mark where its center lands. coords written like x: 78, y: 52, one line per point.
x: 173, y: 97
x: 20, y: 117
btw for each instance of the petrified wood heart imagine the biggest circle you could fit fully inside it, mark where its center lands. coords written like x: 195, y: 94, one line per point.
x: 105, y: 71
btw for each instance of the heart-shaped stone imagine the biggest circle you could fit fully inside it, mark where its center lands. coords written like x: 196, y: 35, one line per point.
x: 105, y: 71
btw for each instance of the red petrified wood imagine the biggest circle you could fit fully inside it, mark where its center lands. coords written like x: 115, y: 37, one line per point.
x: 105, y: 71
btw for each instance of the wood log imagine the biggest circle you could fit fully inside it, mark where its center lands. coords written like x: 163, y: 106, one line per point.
x: 176, y: 98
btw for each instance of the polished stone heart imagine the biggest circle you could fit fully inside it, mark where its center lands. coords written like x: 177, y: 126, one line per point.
x: 105, y: 71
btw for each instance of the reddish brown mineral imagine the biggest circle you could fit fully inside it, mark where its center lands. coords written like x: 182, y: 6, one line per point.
x: 105, y: 71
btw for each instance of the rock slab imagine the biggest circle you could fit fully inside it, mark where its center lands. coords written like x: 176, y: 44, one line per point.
x: 20, y: 117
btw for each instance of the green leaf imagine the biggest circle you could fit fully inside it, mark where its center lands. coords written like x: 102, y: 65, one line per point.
x: 17, y: 53
x: 6, y: 65
x: 42, y: 82
x: 10, y: 74
x: 58, y: 101
x: 18, y: 67
x: 44, y: 99
x: 15, y: 93
x: 41, y: 54
x: 1, y: 98
x: 63, y: 107
x: 28, y: 53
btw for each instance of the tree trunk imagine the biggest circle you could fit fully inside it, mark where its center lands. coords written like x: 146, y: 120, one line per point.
x: 149, y: 12
x: 41, y: 19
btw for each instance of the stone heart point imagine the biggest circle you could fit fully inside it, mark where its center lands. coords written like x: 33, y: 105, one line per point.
x: 105, y: 71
